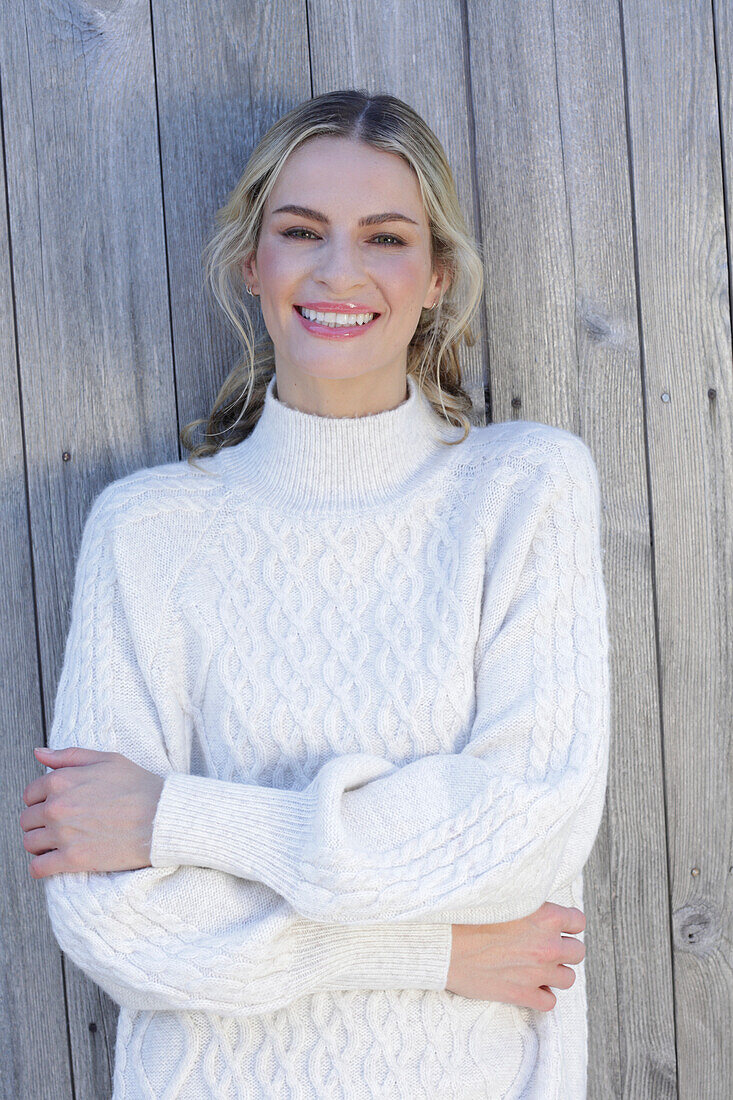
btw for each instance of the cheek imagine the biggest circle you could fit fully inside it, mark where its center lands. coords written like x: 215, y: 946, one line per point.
x: 277, y: 269
x: 406, y: 279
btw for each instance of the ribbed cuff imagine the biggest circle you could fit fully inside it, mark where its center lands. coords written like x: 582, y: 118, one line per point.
x: 245, y: 829
x: 401, y: 955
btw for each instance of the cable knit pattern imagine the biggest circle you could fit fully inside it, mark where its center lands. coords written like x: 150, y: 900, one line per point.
x: 373, y: 672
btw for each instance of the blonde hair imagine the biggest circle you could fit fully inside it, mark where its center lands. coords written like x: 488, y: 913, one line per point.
x: 387, y: 123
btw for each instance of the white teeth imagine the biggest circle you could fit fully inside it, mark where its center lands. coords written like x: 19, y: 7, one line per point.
x: 334, y: 320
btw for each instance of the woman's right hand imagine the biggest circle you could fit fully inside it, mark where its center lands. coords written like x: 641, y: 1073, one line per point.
x: 515, y: 961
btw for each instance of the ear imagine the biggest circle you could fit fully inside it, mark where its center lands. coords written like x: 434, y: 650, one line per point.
x: 438, y: 286
x: 443, y: 280
x: 249, y: 271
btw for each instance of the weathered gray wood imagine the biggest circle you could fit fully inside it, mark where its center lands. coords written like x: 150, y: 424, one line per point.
x: 684, y: 288
x: 32, y: 1014
x: 558, y: 239
x: 382, y: 47
x: 224, y: 76
x: 632, y: 859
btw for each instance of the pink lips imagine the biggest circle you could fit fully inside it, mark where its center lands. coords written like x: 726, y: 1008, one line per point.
x: 343, y: 331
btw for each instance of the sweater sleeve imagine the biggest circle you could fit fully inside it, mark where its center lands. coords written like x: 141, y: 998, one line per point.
x: 483, y: 835
x: 189, y: 937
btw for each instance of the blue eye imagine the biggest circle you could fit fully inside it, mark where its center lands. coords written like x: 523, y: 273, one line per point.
x: 389, y: 240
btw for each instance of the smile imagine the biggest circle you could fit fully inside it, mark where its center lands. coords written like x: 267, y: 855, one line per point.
x: 322, y: 323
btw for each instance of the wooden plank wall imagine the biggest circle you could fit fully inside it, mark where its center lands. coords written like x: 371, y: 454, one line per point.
x: 592, y: 144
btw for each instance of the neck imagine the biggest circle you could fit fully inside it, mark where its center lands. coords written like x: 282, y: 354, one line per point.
x: 298, y: 460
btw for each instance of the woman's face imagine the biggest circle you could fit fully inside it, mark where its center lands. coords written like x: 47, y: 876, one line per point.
x: 344, y: 232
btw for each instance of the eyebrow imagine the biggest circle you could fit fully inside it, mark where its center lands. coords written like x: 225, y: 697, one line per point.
x: 370, y: 219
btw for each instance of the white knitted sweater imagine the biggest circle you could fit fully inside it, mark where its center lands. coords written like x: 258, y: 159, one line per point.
x: 373, y: 670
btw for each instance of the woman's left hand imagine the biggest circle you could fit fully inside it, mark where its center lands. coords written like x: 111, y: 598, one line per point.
x: 94, y: 812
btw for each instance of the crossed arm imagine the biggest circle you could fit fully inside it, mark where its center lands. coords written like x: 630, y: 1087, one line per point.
x: 267, y: 894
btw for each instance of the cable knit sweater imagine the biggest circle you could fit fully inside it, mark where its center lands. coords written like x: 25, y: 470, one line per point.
x: 373, y: 671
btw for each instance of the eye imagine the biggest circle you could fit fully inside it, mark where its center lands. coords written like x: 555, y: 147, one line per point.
x: 292, y: 233
x: 394, y: 241
x: 391, y: 239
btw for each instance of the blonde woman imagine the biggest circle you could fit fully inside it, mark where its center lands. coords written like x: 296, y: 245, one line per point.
x: 330, y: 742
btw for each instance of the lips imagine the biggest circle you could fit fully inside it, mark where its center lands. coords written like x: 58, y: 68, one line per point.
x: 334, y: 332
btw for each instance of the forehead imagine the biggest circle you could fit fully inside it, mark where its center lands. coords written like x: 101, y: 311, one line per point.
x: 338, y: 175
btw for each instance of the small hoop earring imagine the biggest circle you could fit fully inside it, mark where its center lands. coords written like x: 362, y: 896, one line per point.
x: 250, y: 291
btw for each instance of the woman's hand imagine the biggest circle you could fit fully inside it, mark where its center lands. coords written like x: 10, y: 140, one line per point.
x: 93, y: 813
x: 516, y: 961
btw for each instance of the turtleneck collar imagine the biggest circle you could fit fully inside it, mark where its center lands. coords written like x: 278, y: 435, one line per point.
x: 300, y: 460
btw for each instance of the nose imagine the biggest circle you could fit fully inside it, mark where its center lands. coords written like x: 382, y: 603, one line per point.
x: 339, y: 264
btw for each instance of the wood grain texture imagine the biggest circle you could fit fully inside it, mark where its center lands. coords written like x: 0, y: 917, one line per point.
x: 675, y: 127
x: 32, y: 1010
x: 225, y: 73
x: 591, y: 148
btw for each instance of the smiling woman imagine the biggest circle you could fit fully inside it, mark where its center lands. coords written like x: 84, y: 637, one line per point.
x: 303, y: 251
x: 332, y: 722
x: 347, y: 225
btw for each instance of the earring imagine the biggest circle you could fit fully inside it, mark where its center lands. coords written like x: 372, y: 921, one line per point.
x: 250, y: 291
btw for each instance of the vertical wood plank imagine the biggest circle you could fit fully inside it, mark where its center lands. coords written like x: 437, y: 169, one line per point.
x: 225, y: 73
x: 32, y: 1012
x: 684, y: 293
x: 633, y: 853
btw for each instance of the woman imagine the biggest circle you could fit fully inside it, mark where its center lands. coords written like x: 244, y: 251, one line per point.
x: 330, y: 742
